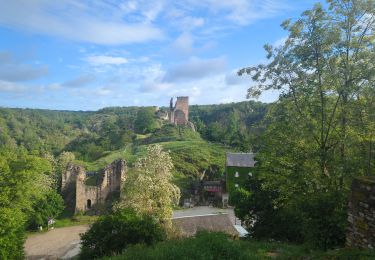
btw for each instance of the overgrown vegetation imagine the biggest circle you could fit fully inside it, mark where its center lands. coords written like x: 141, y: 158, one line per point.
x: 148, y: 188
x: 113, y: 233
x: 26, y: 197
x: 219, y: 246
x: 320, y: 133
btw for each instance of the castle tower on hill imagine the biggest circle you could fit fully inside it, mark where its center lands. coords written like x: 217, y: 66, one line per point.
x: 179, y: 113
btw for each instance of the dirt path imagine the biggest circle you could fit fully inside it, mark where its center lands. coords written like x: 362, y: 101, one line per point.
x: 62, y: 243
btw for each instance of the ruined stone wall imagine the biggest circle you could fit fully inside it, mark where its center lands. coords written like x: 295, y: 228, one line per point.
x: 182, y: 111
x: 179, y: 113
x: 110, y: 180
x: 69, y: 176
x: 361, y: 214
x: 85, y: 193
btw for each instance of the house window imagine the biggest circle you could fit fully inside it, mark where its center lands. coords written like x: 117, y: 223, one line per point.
x: 250, y: 174
x: 236, y: 185
x: 236, y: 175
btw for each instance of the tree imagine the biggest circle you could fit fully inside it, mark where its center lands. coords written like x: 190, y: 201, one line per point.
x: 148, y: 188
x: 24, y: 179
x: 113, y: 233
x: 145, y: 121
x: 50, y: 205
x: 320, y: 127
x: 323, y: 68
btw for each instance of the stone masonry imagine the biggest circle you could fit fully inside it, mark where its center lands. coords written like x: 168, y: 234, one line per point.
x: 107, y: 182
x: 179, y: 113
x: 361, y: 214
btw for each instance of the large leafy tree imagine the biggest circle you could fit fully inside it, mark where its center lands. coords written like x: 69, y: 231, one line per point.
x: 145, y: 121
x: 320, y: 132
x: 323, y: 69
x: 148, y: 188
x: 24, y: 179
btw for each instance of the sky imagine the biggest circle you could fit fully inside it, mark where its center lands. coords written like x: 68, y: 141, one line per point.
x: 86, y: 55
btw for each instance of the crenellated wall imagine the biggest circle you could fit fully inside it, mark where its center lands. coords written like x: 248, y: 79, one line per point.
x: 361, y: 213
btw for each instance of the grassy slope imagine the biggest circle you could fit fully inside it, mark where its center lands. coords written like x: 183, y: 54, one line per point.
x: 192, y: 156
x: 219, y: 246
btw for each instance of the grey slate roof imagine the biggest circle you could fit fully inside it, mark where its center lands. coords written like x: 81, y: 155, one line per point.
x: 240, y: 159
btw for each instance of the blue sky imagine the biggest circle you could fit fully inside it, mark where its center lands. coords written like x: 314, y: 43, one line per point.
x: 85, y: 55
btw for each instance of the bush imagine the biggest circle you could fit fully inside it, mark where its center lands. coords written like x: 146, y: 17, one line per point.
x: 113, y: 233
x: 204, y: 245
x: 324, y: 219
x: 48, y: 206
x: 317, y: 219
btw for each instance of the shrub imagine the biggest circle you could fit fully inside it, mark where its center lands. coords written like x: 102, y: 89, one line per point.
x: 113, y: 233
x: 204, y: 245
x: 48, y: 206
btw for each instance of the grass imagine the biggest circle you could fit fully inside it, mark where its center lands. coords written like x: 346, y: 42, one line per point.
x: 219, y: 246
x: 75, y: 221
x: 191, y: 159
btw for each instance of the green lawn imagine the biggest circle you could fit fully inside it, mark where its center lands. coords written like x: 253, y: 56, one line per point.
x: 75, y: 221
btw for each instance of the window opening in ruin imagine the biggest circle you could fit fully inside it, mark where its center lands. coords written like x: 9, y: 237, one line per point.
x: 89, y: 204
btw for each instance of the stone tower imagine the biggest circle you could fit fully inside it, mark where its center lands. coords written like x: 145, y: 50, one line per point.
x: 179, y: 113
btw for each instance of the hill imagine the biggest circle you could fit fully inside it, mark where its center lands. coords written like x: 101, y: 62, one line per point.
x: 99, y: 137
x: 90, y: 135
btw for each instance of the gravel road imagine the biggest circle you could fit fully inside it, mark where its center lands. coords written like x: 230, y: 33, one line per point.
x: 60, y: 243
x: 63, y: 243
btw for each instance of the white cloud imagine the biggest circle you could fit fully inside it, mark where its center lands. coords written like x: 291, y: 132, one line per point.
x: 241, y: 12
x: 15, y: 71
x: 6, y: 86
x: 232, y: 78
x: 78, y: 21
x: 195, y: 68
x: 98, y: 60
x: 184, y: 43
x: 103, y: 91
x: 80, y: 81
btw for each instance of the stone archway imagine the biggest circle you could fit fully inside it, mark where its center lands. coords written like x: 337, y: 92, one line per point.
x: 88, y: 204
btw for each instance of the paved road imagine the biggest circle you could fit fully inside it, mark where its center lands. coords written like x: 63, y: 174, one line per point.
x: 63, y: 243
x: 204, y: 210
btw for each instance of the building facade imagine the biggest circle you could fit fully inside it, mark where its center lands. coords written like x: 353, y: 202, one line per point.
x: 238, y: 169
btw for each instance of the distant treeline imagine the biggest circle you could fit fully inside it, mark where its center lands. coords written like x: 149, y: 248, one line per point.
x: 90, y: 134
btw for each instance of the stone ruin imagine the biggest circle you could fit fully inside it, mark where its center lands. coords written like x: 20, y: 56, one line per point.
x: 179, y: 113
x: 361, y: 214
x: 82, y: 197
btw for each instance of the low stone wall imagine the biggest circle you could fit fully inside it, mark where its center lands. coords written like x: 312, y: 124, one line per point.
x: 361, y: 214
